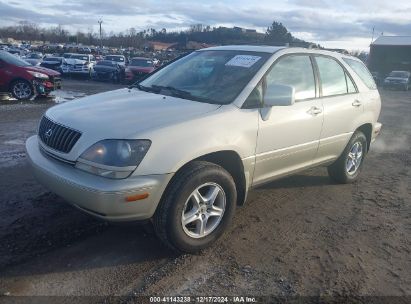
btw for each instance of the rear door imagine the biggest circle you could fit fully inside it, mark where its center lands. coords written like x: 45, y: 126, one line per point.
x: 342, y: 105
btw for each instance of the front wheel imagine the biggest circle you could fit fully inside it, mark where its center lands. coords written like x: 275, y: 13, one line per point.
x: 196, y: 208
x: 347, y: 167
x: 21, y: 89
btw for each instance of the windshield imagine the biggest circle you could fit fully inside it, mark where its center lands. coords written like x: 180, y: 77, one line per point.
x: 141, y: 62
x: 115, y: 58
x: 399, y: 74
x: 13, y: 60
x: 207, y: 76
x: 81, y: 57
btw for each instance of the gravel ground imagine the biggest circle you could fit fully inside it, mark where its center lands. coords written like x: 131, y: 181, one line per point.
x: 300, y: 236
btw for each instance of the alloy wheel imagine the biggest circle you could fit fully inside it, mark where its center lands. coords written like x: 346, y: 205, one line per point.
x: 22, y: 90
x: 354, y: 158
x: 203, y: 210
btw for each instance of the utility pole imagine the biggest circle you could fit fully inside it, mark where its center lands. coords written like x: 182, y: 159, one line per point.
x: 101, y: 38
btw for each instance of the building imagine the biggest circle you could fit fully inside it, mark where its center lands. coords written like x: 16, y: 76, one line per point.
x: 159, y: 46
x: 390, y: 53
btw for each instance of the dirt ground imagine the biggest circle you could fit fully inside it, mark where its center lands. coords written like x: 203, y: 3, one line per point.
x: 300, y: 236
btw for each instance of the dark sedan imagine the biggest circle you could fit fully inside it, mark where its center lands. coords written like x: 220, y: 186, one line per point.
x: 398, y: 80
x: 108, y: 71
x: 53, y: 63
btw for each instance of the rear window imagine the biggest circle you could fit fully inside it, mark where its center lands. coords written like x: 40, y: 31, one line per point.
x: 361, y: 70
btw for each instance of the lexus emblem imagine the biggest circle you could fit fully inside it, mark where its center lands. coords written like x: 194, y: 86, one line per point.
x: 48, y: 133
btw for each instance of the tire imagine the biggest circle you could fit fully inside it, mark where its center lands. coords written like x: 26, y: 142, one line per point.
x: 347, y: 167
x: 180, y: 196
x: 21, y: 89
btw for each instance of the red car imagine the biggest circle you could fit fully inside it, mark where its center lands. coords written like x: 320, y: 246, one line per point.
x: 138, y: 68
x: 25, y: 81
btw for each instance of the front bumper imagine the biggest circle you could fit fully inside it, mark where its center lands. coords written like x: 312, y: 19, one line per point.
x: 83, y: 70
x: 99, y: 196
x: 395, y: 85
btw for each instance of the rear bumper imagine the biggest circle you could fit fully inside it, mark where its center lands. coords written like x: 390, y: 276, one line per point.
x: 98, y: 196
x: 376, y: 130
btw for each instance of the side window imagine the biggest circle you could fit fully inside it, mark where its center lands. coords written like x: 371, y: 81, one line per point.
x: 254, y: 100
x: 295, y: 71
x: 361, y: 70
x: 350, y: 84
x: 332, y: 75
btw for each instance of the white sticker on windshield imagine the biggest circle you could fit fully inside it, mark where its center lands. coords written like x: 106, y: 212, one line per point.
x: 244, y: 61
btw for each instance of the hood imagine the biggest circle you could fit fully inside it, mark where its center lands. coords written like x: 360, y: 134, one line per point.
x: 33, y: 61
x: 75, y: 61
x: 43, y: 70
x: 124, y: 113
x: 141, y: 69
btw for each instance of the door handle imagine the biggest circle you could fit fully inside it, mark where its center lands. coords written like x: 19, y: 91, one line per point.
x: 356, y: 103
x: 314, y: 111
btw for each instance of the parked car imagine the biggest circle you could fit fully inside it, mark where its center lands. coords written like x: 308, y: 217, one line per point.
x: 138, y: 68
x: 79, y: 64
x: 98, y: 57
x: 108, y: 70
x: 119, y: 59
x: 68, y: 55
x: 23, y: 80
x: 184, y: 146
x: 398, y: 80
x: 53, y: 63
x: 377, y: 78
x: 34, y: 58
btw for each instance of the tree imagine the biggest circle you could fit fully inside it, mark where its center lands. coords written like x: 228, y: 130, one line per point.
x: 277, y: 34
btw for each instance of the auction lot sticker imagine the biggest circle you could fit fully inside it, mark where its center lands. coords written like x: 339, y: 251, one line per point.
x: 244, y: 61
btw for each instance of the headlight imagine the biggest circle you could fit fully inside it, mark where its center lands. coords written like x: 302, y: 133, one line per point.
x: 38, y: 75
x: 113, y: 158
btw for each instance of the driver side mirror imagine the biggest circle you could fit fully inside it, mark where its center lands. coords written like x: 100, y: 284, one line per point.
x: 279, y: 95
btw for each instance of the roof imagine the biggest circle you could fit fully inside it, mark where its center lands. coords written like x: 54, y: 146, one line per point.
x: 393, y: 40
x: 249, y: 48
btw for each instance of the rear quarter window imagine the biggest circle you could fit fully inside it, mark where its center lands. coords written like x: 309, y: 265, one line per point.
x: 361, y: 70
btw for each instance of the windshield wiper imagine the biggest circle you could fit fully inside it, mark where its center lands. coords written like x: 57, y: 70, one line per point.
x: 181, y: 93
x: 142, y: 88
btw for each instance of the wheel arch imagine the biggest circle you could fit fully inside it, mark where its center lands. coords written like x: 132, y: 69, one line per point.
x: 19, y: 78
x: 367, y: 130
x: 232, y: 163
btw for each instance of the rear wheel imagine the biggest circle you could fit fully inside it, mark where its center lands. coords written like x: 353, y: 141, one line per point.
x: 21, y: 89
x: 347, y: 167
x: 196, y: 208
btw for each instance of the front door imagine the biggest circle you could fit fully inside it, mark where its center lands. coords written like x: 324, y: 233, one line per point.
x: 288, y: 138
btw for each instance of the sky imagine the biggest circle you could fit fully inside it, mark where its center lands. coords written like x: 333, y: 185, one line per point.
x: 344, y: 24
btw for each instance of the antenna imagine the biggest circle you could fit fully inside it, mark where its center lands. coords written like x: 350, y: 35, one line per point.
x: 372, y: 37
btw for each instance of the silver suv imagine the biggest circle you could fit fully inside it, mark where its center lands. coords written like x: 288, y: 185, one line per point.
x: 184, y: 146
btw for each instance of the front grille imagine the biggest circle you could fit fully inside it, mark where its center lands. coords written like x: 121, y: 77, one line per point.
x: 56, y: 136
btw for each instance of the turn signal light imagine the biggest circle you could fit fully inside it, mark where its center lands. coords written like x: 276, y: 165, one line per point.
x: 136, y: 197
